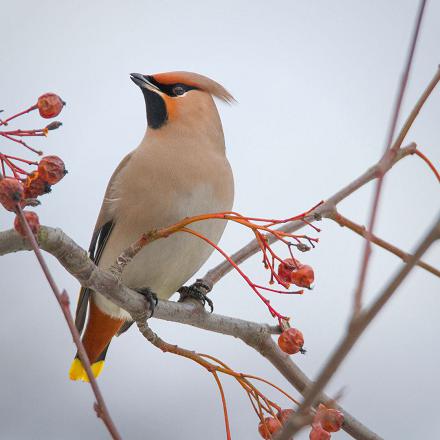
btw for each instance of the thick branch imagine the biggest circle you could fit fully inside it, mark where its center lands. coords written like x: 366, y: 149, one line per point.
x: 75, y: 261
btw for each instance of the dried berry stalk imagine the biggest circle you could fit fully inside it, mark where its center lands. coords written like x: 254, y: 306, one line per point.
x: 63, y: 300
x: 300, y: 275
x: 268, y: 413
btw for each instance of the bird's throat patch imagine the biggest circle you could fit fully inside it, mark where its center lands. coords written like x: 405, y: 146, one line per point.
x: 157, y: 113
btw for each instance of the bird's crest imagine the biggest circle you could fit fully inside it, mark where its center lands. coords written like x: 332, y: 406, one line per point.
x: 195, y: 80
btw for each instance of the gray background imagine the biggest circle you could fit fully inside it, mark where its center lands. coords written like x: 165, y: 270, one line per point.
x: 315, y: 83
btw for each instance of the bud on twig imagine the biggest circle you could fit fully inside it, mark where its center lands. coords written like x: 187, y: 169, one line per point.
x: 30, y: 202
x: 54, y: 125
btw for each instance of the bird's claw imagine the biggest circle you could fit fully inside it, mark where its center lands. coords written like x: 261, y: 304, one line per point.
x: 198, y: 291
x: 151, y: 298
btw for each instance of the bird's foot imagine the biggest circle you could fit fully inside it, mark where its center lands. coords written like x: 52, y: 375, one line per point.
x: 150, y: 296
x: 198, y: 291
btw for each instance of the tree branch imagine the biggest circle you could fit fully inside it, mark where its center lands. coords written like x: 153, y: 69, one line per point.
x: 63, y: 300
x: 361, y: 230
x: 75, y: 260
x: 390, y: 150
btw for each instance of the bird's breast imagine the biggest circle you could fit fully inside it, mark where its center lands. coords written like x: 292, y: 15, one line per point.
x: 160, y: 197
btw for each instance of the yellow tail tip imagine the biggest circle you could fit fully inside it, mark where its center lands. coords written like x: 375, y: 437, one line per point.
x: 77, y: 371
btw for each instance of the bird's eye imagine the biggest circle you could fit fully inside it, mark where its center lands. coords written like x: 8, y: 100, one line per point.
x: 178, y: 90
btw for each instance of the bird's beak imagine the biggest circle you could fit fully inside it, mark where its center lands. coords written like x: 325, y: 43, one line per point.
x: 143, y: 82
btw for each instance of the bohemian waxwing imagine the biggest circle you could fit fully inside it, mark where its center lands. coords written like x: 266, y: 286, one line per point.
x: 179, y: 169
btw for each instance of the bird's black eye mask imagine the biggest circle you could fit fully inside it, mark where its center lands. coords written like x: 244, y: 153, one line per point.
x: 157, y: 114
x: 173, y: 90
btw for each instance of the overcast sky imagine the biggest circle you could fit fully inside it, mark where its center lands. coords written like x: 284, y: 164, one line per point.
x: 315, y: 82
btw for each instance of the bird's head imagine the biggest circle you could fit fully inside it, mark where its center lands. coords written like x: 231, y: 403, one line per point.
x: 183, y: 98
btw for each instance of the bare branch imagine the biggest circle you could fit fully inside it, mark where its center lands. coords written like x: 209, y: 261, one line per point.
x: 429, y: 163
x: 63, y: 300
x: 361, y: 230
x: 390, y: 151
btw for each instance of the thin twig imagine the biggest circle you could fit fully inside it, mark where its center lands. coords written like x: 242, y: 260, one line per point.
x: 361, y: 230
x: 199, y: 358
x: 19, y: 141
x: 389, y: 151
x: 225, y: 408
x: 416, y: 109
x: 429, y: 163
x: 63, y: 300
x: 5, y: 121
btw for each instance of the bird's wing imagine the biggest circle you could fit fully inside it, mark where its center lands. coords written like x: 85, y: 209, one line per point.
x: 101, y: 234
x: 124, y: 327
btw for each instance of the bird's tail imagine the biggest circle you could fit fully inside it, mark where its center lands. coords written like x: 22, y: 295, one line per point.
x: 97, y: 336
x: 78, y: 372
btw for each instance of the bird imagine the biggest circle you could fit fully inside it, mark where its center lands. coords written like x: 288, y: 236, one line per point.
x: 179, y: 169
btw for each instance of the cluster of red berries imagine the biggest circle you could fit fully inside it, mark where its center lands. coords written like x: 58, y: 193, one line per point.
x: 326, y: 420
x: 271, y: 425
x: 24, y: 191
x: 293, y: 272
x: 50, y: 171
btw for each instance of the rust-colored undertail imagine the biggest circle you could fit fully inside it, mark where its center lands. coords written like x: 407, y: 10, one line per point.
x: 99, y: 331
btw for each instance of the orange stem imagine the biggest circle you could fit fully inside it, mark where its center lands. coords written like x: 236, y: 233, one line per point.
x: 429, y: 163
x: 239, y: 376
x: 245, y: 277
x: 225, y: 408
x: 250, y: 376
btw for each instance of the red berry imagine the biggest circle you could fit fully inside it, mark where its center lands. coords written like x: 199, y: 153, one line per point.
x: 293, y: 272
x: 50, y: 105
x: 291, y: 341
x: 32, y: 220
x: 268, y: 428
x: 11, y: 192
x: 51, y: 169
x: 284, y: 415
x: 285, y: 269
x: 330, y: 419
x: 318, y: 433
x: 35, y: 186
x: 303, y: 276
